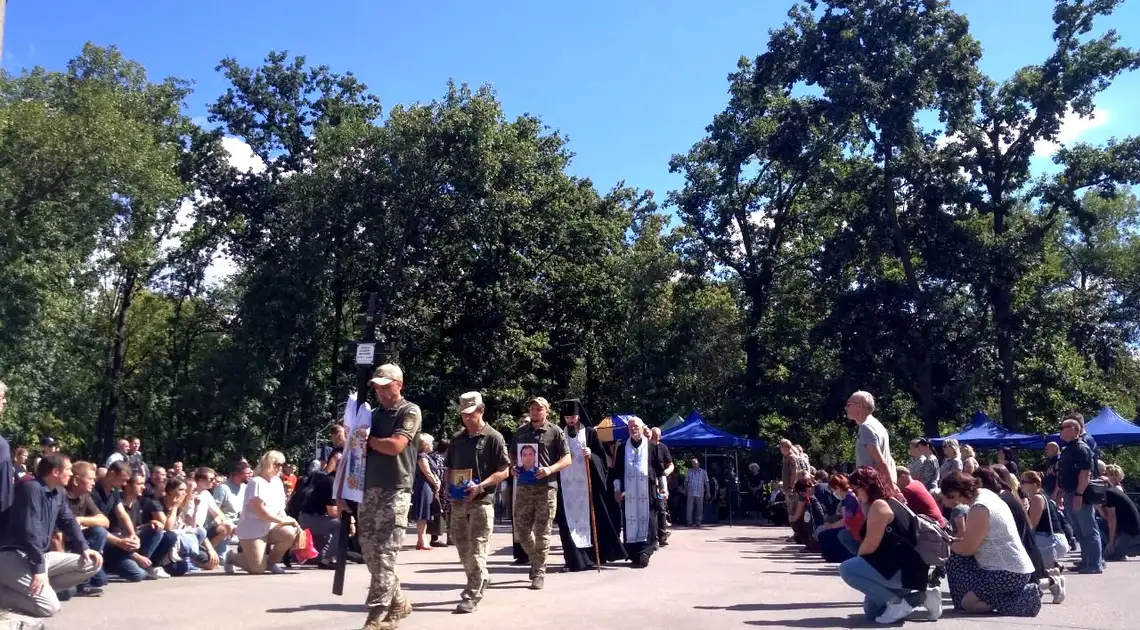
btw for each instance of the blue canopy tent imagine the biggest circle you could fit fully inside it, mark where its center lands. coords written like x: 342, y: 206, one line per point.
x: 982, y: 432
x: 695, y: 433
x: 1109, y: 429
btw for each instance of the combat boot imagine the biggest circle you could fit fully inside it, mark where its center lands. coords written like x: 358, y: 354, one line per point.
x: 399, y: 609
x: 376, y: 619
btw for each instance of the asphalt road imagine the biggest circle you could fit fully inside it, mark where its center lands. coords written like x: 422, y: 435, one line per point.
x: 709, y: 579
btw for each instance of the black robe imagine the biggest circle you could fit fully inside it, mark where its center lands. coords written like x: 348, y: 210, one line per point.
x: 639, y: 552
x: 606, y: 510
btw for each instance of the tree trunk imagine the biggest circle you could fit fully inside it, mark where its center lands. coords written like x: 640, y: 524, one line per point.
x: 109, y: 409
x: 919, y: 344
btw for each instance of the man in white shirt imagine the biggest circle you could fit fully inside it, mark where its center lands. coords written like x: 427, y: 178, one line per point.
x: 206, y: 512
x: 120, y: 454
x: 697, y: 483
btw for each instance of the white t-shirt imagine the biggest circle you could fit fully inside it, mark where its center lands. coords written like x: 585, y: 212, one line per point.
x: 272, y: 493
x: 201, y: 507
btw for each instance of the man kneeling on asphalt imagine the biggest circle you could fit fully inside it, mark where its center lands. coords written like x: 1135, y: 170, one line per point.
x: 30, y: 575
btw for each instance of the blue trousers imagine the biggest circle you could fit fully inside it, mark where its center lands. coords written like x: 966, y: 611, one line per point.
x: 1085, y: 528
x: 153, y: 544
x: 97, y: 540
x: 831, y: 546
x: 877, y: 590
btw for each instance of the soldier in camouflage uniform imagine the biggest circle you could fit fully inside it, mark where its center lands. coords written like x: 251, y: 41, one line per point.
x: 477, y: 458
x: 383, y: 515
x: 536, y: 502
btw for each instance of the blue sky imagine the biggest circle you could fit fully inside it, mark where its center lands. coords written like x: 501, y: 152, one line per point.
x: 629, y: 82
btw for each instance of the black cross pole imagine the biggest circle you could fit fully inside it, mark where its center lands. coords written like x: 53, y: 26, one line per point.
x: 366, y: 359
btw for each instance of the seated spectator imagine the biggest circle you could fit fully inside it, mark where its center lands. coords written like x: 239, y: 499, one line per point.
x: 194, y: 550
x: 1120, y: 522
x: 837, y: 539
x: 803, y: 514
x: 265, y: 532
x: 108, y: 495
x: 989, y: 569
x: 150, y: 543
x: 30, y: 575
x: 90, y: 518
x: 1045, y: 520
x: 230, y: 494
x: 888, y: 569
x: 206, y: 514
x: 917, y: 497
x: 156, y: 483
x: 319, y: 513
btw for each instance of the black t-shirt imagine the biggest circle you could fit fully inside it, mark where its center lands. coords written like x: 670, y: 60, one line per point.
x: 82, y: 506
x: 106, y: 500
x: 1076, y: 457
x: 666, y: 456
x: 149, y: 507
x: 1127, y: 516
x: 134, y: 511
x: 320, y: 495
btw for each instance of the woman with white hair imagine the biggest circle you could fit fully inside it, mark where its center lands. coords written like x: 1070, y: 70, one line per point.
x: 953, y: 458
x: 266, y: 533
x: 425, y: 488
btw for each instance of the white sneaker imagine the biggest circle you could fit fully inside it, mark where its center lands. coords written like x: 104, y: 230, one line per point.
x: 932, y: 602
x: 276, y: 569
x: 156, y: 573
x: 1057, y: 590
x: 896, y: 611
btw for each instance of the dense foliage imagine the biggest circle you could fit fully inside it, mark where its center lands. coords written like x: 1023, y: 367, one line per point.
x: 865, y: 213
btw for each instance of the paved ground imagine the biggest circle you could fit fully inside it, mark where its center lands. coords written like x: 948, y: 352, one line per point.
x: 710, y: 579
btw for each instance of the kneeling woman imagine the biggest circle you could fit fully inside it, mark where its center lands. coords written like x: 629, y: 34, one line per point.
x: 888, y: 570
x: 265, y: 532
x: 989, y: 569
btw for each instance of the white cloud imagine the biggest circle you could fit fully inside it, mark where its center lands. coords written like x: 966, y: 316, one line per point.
x: 1073, y: 127
x: 242, y: 156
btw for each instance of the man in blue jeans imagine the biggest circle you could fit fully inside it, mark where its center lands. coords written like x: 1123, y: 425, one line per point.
x: 140, y: 545
x: 90, y: 518
x: 1074, y: 471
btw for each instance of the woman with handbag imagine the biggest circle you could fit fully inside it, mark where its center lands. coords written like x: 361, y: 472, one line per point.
x: 1045, y: 520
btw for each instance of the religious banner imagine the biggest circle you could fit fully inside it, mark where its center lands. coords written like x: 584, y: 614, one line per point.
x: 349, y: 482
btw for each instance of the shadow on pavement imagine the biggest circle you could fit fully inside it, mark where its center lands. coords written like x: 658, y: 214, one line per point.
x: 787, y: 606
x: 851, y: 621
x: 324, y: 607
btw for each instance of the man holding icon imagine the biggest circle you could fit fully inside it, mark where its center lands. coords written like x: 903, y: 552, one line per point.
x: 477, y: 463
x: 537, y: 499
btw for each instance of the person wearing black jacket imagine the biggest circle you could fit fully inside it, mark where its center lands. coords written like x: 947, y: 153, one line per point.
x: 30, y: 575
x: 318, y: 512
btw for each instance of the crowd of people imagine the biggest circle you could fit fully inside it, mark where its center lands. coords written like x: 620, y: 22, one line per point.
x: 996, y: 534
x: 68, y: 527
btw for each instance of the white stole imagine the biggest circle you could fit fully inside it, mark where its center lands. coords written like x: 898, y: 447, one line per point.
x: 576, y: 493
x: 636, y: 483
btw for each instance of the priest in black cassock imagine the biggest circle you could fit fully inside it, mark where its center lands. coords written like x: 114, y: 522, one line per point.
x: 638, y: 481
x: 576, y: 497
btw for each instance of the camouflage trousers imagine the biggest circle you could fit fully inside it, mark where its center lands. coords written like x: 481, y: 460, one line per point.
x: 383, y: 518
x: 470, y: 528
x: 534, y: 514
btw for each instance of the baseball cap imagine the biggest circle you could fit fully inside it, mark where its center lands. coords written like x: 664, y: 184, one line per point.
x: 387, y: 373
x: 470, y: 402
x: 538, y: 400
x: 47, y: 440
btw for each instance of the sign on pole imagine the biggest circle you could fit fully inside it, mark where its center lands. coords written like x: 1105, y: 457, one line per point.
x: 365, y: 353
